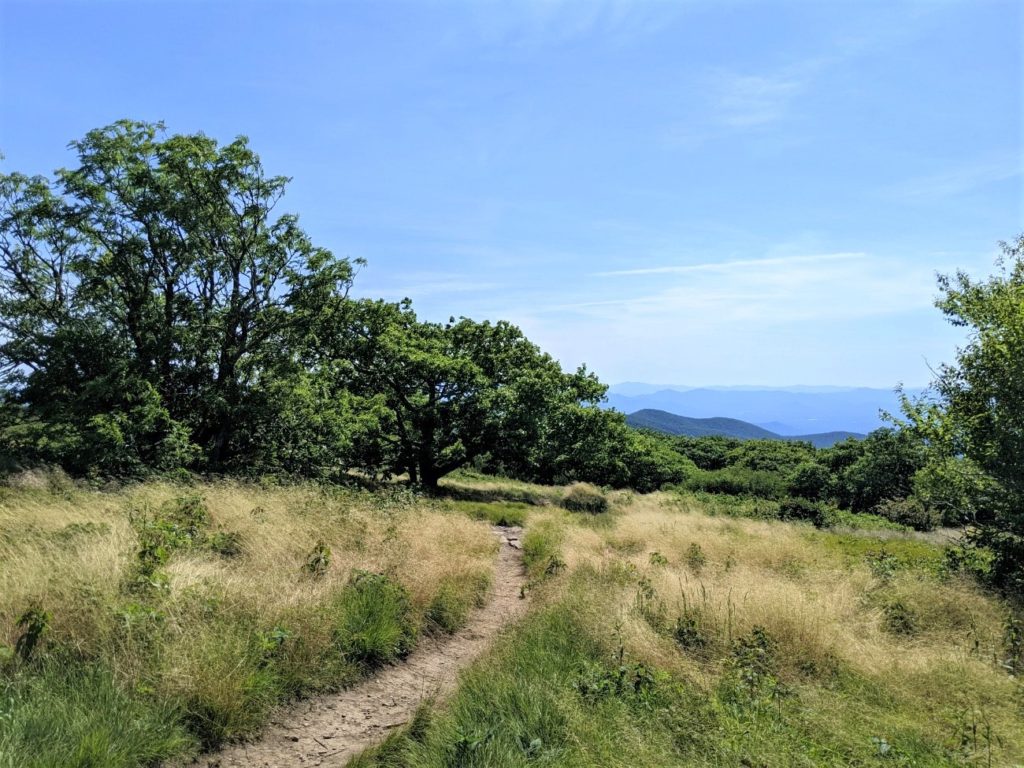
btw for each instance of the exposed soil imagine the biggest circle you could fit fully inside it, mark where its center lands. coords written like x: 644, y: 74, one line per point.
x: 331, y: 730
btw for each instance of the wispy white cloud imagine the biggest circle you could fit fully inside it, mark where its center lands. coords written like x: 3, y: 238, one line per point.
x: 814, y: 313
x: 747, y: 101
x: 729, y: 266
x: 960, y: 179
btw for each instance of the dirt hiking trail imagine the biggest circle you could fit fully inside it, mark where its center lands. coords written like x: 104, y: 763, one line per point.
x: 331, y: 730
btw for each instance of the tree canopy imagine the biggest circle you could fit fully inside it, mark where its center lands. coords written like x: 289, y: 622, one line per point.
x: 974, y: 421
x: 158, y: 312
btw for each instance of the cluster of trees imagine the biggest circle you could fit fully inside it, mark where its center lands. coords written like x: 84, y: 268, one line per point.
x: 856, y: 475
x: 157, y: 313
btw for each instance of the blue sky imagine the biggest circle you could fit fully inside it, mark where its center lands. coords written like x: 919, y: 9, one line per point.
x: 685, y: 192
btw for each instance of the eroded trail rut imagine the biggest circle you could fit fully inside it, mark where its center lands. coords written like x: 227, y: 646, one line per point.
x: 331, y: 730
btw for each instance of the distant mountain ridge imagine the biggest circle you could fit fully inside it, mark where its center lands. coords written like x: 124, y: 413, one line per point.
x: 672, y: 424
x: 786, y: 411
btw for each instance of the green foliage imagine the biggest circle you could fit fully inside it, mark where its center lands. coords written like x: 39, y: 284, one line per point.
x: 318, y: 560
x: 809, y: 480
x: 885, y: 469
x: 797, y: 508
x: 738, y: 481
x: 709, y: 453
x: 695, y: 558
x: 33, y: 624
x: 582, y: 497
x: 976, y: 413
x: 909, y: 512
x: 752, y: 682
x: 374, y: 624
x: 774, y: 456
x: 146, y: 295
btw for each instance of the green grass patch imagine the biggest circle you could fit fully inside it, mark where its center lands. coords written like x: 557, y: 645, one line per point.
x: 542, y: 551
x: 494, y: 512
x: 374, y: 620
x: 75, y: 716
x: 453, y: 602
x: 900, y: 552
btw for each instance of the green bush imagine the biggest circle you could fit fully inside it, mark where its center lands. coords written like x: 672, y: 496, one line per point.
x: 809, y: 480
x: 738, y: 481
x: 375, y: 623
x: 796, y: 508
x: 910, y: 512
x: 583, y: 497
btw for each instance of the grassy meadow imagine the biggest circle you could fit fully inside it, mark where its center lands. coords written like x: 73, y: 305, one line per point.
x: 168, y: 617
x: 664, y: 636
x: 674, y: 629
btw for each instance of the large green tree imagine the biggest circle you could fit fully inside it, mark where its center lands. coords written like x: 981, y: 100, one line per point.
x: 975, y: 420
x: 146, y: 294
x: 456, y: 391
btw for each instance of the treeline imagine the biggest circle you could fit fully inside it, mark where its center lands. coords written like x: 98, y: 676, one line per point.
x: 158, y: 314
x: 884, y: 474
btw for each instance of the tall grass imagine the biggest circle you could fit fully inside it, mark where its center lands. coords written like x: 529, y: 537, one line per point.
x: 199, y: 609
x: 676, y: 638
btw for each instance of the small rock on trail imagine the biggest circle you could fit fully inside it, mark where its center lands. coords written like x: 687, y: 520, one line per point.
x: 330, y: 730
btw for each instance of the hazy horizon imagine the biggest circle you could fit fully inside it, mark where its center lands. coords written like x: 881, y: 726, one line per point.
x: 727, y: 192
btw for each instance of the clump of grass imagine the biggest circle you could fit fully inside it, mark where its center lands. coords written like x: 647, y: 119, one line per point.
x: 452, y: 603
x: 542, y: 554
x: 584, y: 497
x: 375, y: 623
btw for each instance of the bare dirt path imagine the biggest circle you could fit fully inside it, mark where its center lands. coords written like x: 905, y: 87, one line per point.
x: 331, y: 730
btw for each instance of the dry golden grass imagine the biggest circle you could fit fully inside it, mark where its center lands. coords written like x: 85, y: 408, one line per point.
x: 70, y: 552
x: 827, y: 613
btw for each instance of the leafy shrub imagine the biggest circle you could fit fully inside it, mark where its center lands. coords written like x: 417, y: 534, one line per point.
x: 318, y: 561
x: 374, y: 620
x: 34, y: 623
x: 899, y: 618
x: 583, y: 497
x: 796, y: 508
x: 690, y: 631
x: 809, y: 481
x: 738, y: 481
x: 226, y: 543
x: 695, y: 557
x: 656, y: 558
x: 752, y: 682
x: 910, y: 512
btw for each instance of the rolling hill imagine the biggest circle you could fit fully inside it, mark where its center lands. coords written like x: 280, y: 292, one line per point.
x: 786, y: 411
x: 671, y: 424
